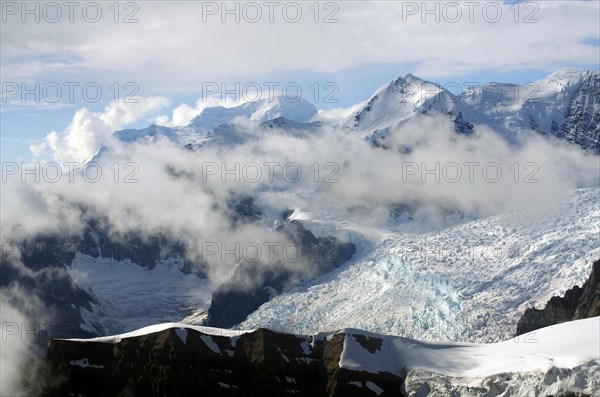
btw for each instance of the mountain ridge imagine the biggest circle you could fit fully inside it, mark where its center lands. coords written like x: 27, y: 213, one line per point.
x: 564, y: 104
x: 176, y: 359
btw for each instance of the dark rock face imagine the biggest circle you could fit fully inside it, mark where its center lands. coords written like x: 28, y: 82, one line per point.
x: 35, y: 270
x: 177, y: 362
x: 254, y: 283
x: 147, y: 251
x: 578, y: 303
x: 245, y: 210
x: 581, y: 125
x: 461, y: 126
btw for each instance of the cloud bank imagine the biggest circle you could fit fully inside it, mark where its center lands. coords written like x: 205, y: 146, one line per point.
x: 88, y: 130
x: 441, y: 38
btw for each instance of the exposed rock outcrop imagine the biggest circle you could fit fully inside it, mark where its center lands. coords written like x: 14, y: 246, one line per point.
x: 254, y: 283
x: 37, y: 269
x: 175, y: 359
x: 186, y: 362
x: 578, y: 303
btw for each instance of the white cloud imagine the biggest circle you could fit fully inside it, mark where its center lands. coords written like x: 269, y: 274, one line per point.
x: 189, y: 204
x: 12, y: 355
x: 339, y: 113
x: 184, y: 113
x: 20, y: 313
x: 88, y: 129
x: 172, y: 49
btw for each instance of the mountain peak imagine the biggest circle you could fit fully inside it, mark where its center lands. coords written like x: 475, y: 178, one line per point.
x: 412, y: 78
x: 295, y: 109
x: 399, y: 100
x: 404, y: 81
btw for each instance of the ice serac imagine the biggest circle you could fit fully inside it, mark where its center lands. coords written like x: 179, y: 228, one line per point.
x: 179, y: 360
x: 468, y: 282
x: 577, y: 303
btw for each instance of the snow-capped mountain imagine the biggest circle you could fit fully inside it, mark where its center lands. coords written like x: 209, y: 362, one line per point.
x: 399, y: 100
x: 436, y: 299
x: 564, y: 104
x: 216, y: 122
x: 260, y: 111
x: 265, y: 109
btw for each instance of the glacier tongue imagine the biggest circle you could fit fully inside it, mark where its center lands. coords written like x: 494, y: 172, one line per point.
x: 129, y: 296
x: 470, y: 282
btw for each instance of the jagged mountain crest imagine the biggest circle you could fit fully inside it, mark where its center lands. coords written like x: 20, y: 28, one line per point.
x: 581, y: 123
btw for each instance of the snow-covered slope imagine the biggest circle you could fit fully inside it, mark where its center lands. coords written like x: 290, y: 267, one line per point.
x: 161, y: 327
x: 553, y: 361
x: 467, y: 282
x: 227, y: 135
x: 151, y: 133
x: 296, y: 110
x: 554, y: 346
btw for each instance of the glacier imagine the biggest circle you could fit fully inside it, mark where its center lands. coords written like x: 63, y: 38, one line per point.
x: 468, y: 282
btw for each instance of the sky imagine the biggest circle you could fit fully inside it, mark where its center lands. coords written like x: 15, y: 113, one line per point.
x: 79, y: 67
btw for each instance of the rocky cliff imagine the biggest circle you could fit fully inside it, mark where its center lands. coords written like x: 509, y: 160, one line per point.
x: 578, y: 303
x: 175, y: 359
x: 186, y: 362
